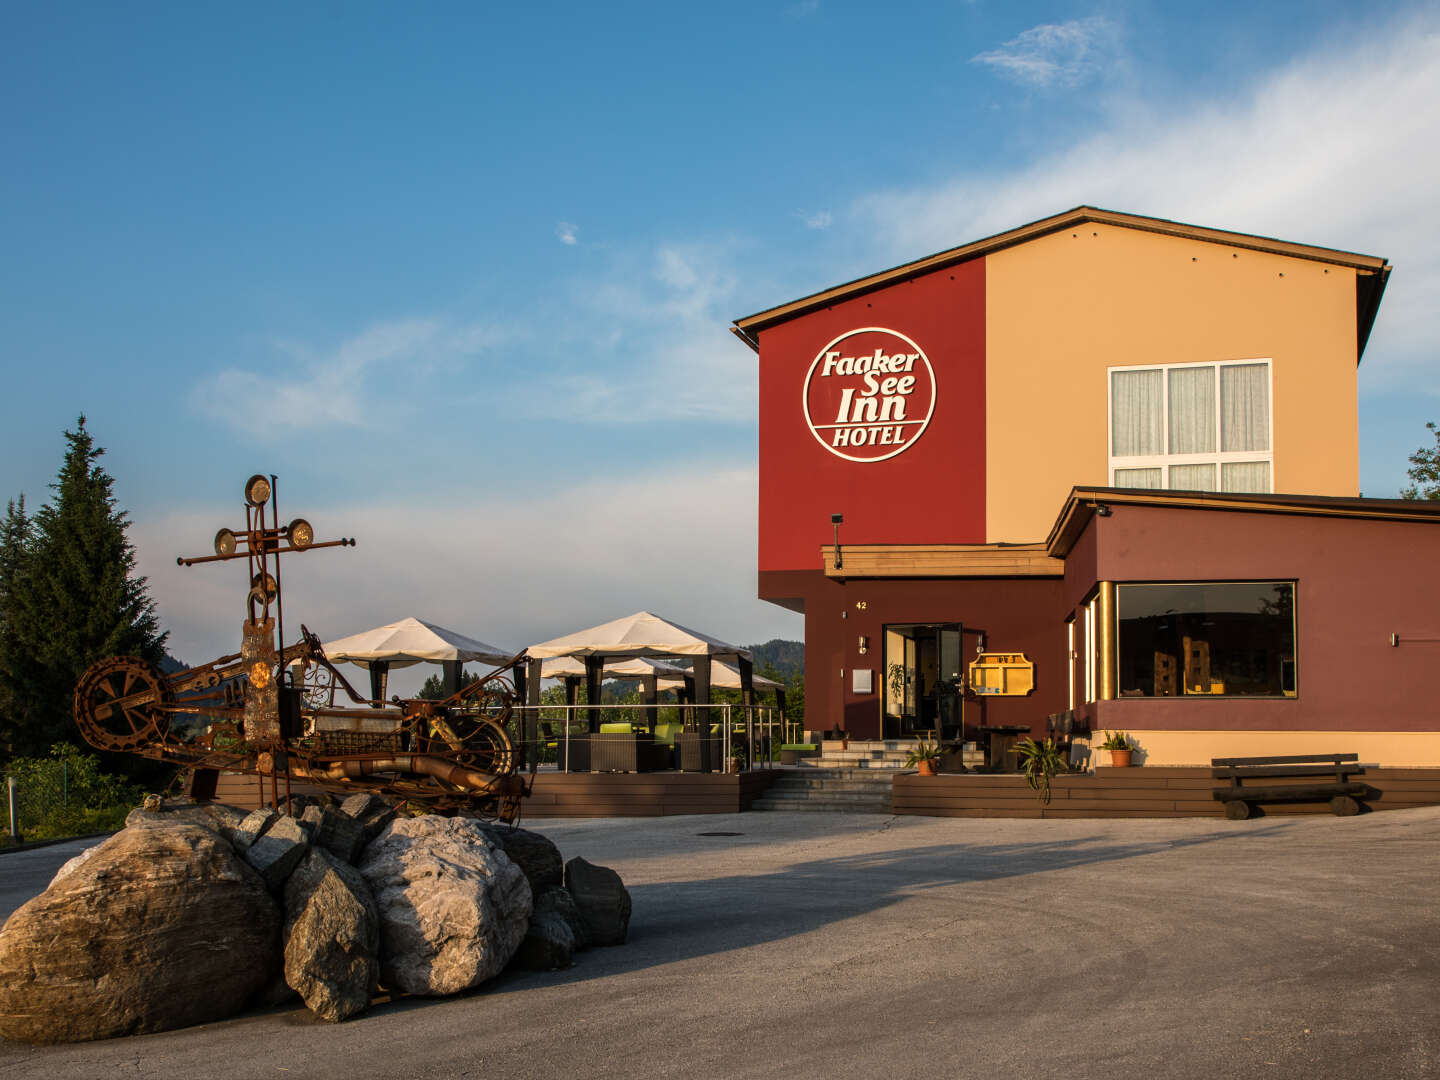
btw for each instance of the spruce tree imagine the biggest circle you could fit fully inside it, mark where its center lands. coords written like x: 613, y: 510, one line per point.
x: 17, y: 662
x: 79, y: 598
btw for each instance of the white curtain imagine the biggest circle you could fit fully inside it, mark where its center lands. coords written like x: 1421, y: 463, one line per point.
x: 1245, y: 408
x: 1192, y: 410
x: 1140, y: 478
x: 1251, y: 476
x: 1136, y: 398
x: 1192, y: 477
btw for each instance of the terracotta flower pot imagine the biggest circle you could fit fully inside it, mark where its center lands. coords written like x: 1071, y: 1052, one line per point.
x: 1120, y: 758
x: 925, y: 768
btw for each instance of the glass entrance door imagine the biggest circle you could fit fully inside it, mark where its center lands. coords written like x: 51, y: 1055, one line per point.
x: 922, y: 680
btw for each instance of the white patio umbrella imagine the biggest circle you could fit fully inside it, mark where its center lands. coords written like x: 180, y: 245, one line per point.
x: 411, y: 641
x: 641, y: 634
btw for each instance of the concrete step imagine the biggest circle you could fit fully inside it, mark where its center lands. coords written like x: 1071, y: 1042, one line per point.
x: 833, y: 783
x: 817, y: 806
x: 778, y: 793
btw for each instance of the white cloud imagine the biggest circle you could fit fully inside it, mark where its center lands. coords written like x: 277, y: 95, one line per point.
x: 567, y: 233
x: 1056, y: 54
x: 821, y: 219
x: 508, y: 571
x: 342, y: 387
x: 650, y: 343
x: 1336, y: 149
x: 802, y: 9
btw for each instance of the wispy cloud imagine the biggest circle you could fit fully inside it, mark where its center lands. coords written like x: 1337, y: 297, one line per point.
x: 306, y: 389
x: 567, y: 233
x: 802, y: 8
x: 820, y: 219
x: 1303, y: 153
x: 1056, y: 54
x: 650, y: 344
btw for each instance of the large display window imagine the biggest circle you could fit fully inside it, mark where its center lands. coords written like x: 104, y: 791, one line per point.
x: 1212, y: 639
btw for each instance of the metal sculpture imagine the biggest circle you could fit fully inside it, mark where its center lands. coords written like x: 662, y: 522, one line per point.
x: 272, y: 712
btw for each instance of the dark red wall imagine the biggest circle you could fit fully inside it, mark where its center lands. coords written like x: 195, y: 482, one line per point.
x: 1017, y: 615
x: 1358, y: 581
x: 933, y: 492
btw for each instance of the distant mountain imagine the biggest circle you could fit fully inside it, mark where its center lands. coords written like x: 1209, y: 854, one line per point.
x: 169, y: 665
x: 786, y: 657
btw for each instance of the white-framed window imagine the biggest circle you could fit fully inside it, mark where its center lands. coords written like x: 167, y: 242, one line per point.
x: 1193, y: 427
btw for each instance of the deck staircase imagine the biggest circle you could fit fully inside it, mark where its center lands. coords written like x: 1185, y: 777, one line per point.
x: 855, y: 779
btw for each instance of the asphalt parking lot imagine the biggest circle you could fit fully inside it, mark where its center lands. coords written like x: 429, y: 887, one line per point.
x: 816, y: 945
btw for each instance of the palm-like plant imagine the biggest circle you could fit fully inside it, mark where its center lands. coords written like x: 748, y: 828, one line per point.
x: 1041, y: 761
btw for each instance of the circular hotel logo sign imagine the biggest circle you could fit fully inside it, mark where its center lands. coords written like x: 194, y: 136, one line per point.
x: 869, y: 394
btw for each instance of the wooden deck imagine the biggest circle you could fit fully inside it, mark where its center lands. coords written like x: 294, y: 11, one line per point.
x: 651, y: 794
x: 1146, y: 791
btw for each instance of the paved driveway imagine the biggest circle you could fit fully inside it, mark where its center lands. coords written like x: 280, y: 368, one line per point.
x: 855, y: 946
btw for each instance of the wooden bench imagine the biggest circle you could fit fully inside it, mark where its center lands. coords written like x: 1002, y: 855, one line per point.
x: 1239, y: 797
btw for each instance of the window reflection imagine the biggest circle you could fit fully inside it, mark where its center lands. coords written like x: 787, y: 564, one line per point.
x: 1223, y: 639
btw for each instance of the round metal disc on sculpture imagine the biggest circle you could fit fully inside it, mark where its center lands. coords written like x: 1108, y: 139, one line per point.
x: 225, y: 542
x: 263, y: 585
x: 120, y: 703
x: 257, y: 490
x: 301, y: 534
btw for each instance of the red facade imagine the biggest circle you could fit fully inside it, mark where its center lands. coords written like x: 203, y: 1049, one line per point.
x: 930, y: 492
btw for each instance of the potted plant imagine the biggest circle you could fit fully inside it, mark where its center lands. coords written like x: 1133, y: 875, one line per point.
x: 1120, y: 747
x: 1040, y: 761
x: 924, y: 758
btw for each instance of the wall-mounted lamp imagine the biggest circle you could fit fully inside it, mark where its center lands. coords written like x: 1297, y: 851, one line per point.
x: 1101, y: 510
x: 837, y: 520
x: 864, y: 644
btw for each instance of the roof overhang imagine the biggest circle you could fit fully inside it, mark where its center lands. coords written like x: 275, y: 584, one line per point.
x: 1372, y: 271
x: 1085, y: 502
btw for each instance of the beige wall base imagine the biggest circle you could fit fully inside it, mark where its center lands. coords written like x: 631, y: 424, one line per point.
x: 1392, y: 749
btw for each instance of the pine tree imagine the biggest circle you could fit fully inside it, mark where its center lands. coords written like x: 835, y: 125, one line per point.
x: 17, y: 664
x: 79, y: 598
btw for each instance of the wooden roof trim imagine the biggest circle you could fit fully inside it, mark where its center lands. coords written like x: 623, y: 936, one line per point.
x: 1080, y: 507
x: 1369, y: 264
x: 940, y: 560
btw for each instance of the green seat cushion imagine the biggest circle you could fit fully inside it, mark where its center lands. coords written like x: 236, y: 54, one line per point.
x: 798, y: 746
x: 615, y: 728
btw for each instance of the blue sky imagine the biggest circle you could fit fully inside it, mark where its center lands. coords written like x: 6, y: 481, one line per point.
x: 461, y: 275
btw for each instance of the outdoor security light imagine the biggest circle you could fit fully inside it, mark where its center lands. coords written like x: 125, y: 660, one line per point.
x: 837, y: 520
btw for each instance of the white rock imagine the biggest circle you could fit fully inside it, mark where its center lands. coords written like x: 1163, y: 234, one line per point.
x: 453, y: 907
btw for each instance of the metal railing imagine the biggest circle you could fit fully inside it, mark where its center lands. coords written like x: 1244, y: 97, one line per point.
x: 743, y: 737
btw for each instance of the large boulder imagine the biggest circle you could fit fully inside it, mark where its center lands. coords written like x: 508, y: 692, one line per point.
x: 332, y: 937
x: 602, y: 900
x: 536, y: 855
x: 156, y: 929
x: 226, y: 820
x: 453, y: 907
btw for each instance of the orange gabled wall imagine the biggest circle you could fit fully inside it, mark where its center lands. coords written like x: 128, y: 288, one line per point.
x: 1062, y: 309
